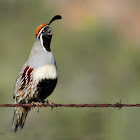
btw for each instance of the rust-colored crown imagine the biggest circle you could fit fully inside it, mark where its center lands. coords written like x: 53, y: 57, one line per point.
x: 37, y: 30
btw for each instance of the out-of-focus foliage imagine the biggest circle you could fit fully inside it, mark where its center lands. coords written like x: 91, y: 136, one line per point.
x: 98, y: 57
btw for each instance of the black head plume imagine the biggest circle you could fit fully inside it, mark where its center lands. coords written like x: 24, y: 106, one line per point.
x: 55, y: 18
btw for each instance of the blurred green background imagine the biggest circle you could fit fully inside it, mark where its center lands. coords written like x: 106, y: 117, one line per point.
x: 97, y: 49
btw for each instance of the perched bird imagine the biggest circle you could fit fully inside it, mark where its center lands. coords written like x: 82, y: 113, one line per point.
x: 38, y: 76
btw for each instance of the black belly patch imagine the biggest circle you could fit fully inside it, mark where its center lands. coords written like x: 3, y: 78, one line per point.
x: 45, y: 87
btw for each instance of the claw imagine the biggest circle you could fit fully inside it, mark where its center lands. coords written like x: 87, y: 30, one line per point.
x: 37, y: 109
x: 49, y: 103
x: 51, y: 108
x: 37, y: 104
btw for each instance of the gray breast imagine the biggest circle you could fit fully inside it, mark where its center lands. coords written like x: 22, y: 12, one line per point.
x: 40, y: 59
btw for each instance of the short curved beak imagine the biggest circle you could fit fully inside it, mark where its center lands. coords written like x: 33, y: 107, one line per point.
x: 49, y: 32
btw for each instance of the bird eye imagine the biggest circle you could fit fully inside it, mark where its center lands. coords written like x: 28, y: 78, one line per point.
x: 43, y: 31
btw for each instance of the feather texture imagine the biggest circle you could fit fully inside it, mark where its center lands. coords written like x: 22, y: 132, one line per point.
x: 36, y: 80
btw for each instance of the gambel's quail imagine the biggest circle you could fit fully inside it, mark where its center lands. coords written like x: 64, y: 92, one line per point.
x: 38, y: 76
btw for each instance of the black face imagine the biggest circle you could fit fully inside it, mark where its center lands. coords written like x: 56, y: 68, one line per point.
x: 45, y: 34
x: 46, y: 31
x: 45, y: 37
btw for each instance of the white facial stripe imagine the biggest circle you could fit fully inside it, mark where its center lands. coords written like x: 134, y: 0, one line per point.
x: 41, y: 39
x: 41, y: 30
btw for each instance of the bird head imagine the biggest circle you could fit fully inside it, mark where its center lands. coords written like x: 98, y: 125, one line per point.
x: 44, y: 29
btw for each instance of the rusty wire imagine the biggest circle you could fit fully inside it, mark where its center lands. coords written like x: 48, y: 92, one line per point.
x: 52, y: 105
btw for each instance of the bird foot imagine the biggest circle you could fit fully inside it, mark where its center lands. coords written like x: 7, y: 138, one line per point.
x: 49, y: 103
x: 37, y: 104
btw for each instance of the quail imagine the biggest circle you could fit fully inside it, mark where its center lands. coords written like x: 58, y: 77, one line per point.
x: 38, y: 76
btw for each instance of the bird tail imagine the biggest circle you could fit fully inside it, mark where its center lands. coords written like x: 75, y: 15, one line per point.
x: 20, y: 114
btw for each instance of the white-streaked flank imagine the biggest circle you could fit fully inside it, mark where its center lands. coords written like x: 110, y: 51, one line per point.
x: 47, y: 71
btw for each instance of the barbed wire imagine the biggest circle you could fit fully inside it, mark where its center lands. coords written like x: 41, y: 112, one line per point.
x: 52, y: 105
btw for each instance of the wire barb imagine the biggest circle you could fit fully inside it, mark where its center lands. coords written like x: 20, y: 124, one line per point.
x: 52, y: 105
